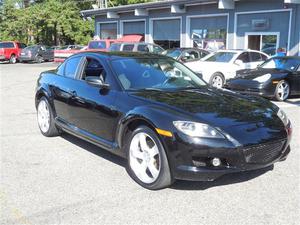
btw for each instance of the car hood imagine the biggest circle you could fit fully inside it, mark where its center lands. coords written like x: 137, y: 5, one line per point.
x: 220, y: 108
x: 251, y: 74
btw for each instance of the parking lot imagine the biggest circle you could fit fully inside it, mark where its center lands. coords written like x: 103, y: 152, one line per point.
x: 65, y: 180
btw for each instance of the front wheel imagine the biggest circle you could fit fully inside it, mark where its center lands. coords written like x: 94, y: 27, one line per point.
x: 12, y: 59
x: 282, y: 90
x: 217, y: 80
x: 147, y: 162
x: 46, y: 119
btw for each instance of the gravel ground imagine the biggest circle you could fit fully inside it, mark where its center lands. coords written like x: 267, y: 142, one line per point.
x: 65, y: 180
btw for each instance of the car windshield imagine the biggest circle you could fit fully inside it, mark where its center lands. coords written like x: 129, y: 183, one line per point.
x: 97, y: 45
x: 223, y: 57
x: 155, y: 74
x: 290, y: 64
x: 6, y: 45
x: 173, y: 53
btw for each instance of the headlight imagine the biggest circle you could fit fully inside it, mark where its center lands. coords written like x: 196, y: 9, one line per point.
x: 263, y: 78
x: 197, y: 129
x: 281, y: 114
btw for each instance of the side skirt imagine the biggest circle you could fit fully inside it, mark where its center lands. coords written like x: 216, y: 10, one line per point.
x: 86, y: 136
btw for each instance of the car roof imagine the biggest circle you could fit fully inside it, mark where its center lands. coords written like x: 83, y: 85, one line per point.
x: 118, y: 55
x: 239, y: 50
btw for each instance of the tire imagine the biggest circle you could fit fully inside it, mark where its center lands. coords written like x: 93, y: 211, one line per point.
x: 282, y: 90
x: 45, y: 118
x: 39, y: 59
x: 149, y: 156
x: 217, y: 80
x: 12, y: 59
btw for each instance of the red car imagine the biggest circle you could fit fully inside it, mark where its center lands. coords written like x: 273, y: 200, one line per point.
x: 64, y: 52
x: 10, y: 51
x: 104, y: 44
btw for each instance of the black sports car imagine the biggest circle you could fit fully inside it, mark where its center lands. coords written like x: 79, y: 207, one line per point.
x: 160, y: 116
x: 278, y: 78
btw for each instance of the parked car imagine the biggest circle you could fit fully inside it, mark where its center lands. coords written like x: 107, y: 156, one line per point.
x: 165, y: 120
x: 102, y: 45
x: 10, y: 51
x: 60, y: 54
x: 186, y: 54
x: 136, y: 47
x: 37, y: 53
x: 217, y: 67
x: 278, y: 78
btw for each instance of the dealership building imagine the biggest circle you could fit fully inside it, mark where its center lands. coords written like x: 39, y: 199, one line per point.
x: 213, y: 24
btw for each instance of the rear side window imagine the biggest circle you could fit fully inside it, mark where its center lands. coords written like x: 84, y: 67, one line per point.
x: 115, y: 47
x: 97, y: 45
x: 263, y: 57
x: 71, y: 67
x: 143, y: 48
x: 128, y: 48
x: 6, y: 45
x: 244, y: 57
x: 255, y: 56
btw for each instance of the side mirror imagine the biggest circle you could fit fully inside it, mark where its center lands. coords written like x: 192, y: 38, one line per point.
x: 238, y: 62
x: 97, y: 82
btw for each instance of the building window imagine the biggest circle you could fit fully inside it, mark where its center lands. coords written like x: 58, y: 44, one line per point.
x: 166, y: 33
x: 209, y: 32
x: 134, y: 27
x: 108, y: 30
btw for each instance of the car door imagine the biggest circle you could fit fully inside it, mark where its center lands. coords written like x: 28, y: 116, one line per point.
x: 294, y: 81
x: 91, y: 108
x: 62, y: 88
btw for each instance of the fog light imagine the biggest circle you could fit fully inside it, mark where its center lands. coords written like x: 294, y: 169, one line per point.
x: 216, y: 162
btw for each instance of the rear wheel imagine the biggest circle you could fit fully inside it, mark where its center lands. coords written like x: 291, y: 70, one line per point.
x: 147, y: 161
x: 39, y: 59
x: 282, y: 90
x: 217, y: 80
x: 46, y: 119
x: 12, y: 59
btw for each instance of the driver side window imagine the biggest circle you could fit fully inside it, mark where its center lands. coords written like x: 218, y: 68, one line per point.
x: 93, y: 68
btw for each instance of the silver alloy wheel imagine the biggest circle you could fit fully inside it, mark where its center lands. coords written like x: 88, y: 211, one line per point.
x: 217, y: 81
x: 283, y: 90
x: 43, y: 115
x: 144, y: 158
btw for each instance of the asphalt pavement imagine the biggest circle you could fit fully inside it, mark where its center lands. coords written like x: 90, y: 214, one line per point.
x: 64, y: 180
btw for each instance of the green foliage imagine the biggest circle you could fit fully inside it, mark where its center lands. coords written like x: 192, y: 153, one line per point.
x: 51, y: 22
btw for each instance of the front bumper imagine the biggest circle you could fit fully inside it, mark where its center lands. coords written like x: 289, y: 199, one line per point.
x: 2, y: 58
x: 251, y: 88
x: 192, y: 162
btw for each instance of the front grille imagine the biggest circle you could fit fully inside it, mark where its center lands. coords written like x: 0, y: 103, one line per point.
x: 263, y: 153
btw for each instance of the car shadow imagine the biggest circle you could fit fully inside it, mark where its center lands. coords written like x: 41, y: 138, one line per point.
x: 179, y: 184
x: 222, y: 181
x: 94, y: 149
